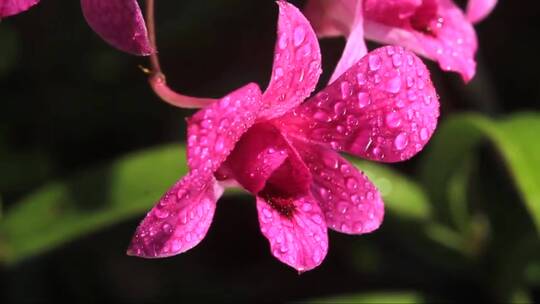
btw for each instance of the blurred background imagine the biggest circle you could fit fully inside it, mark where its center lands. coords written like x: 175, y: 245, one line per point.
x: 86, y: 149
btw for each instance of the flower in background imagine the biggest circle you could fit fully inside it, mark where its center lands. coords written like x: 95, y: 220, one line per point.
x: 284, y: 150
x: 436, y: 29
x: 119, y: 22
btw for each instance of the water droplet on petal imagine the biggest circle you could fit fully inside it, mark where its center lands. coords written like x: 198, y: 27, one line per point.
x: 345, y: 89
x: 351, y: 183
x: 322, y: 116
x: 393, y: 120
x: 374, y: 62
x: 401, y: 141
x: 299, y: 35
x: 424, y: 134
x: 396, y: 60
x: 363, y: 100
x: 393, y: 85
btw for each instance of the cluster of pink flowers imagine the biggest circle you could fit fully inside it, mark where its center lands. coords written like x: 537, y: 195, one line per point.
x: 282, y: 145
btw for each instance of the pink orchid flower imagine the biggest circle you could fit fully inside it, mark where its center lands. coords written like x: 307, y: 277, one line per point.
x: 119, y: 22
x: 284, y: 150
x: 436, y: 29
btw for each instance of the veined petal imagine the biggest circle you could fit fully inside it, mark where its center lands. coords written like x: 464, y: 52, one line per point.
x: 180, y: 220
x: 355, y: 48
x: 297, y: 63
x: 479, y: 9
x: 214, y: 130
x: 350, y: 202
x: 449, y: 39
x: 14, y: 7
x: 384, y: 108
x: 299, y: 239
x: 120, y: 23
x: 256, y: 156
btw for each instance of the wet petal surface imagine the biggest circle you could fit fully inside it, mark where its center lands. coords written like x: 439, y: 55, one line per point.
x: 299, y: 239
x: 297, y: 63
x: 350, y: 202
x: 384, y: 108
x: 214, y: 130
x: 180, y: 220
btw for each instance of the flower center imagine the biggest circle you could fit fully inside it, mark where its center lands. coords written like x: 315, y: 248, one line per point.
x: 282, y: 203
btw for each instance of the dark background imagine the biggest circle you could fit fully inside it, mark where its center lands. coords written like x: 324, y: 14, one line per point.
x: 69, y: 101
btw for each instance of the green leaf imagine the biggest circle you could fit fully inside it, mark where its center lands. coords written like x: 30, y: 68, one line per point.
x: 62, y: 211
x: 65, y: 210
x: 371, y: 298
x: 402, y: 196
x: 515, y: 138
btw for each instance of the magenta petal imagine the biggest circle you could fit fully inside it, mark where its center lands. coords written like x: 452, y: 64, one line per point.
x: 350, y: 202
x: 256, y: 156
x: 331, y: 18
x: 479, y: 9
x: 299, y: 240
x: 14, y: 7
x: 214, y: 130
x: 120, y: 23
x: 297, y: 63
x: 355, y: 48
x: 179, y: 221
x: 452, y: 41
x: 384, y: 108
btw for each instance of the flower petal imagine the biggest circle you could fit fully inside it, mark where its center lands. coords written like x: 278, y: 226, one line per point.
x: 384, y: 108
x: 355, y: 48
x: 331, y: 18
x: 350, y: 202
x: 479, y: 9
x: 299, y: 240
x: 214, y: 130
x: 452, y: 40
x: 14, y: 7
x: 180, y: 220
x: 120, y: 23
x: 297, y: 63
x: 256, y: 156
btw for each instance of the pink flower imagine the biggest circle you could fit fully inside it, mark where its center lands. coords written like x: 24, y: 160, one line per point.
x: 283, y: 150
x: 119, y: 22
x: 436, y: 29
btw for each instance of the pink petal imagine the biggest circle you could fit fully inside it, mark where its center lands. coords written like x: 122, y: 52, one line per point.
x: 180, y: 220
x: 14, y: 7
x: 299, y: 240
x: 214, y: 130
x: 331, y: 18
x: 452, y: 40
x: 355, y: 47
x: 297, y: 63
x: 391, y: 12
x: 120, y: 23
x: 479, y: 9
x: 350, y: 202
x: 256, y: 156
x: 384, y: 108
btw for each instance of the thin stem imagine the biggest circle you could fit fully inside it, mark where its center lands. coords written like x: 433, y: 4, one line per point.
x: 157, y: 78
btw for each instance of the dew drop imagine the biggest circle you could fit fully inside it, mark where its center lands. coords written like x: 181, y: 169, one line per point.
x: 322, y: 116
x: 220, y: 144
x: 393, y: 120
x: 167, y: 228
x: 282, y: 41
x: 363, y: 100
x: 361, y: 79
x: 342, y: 207
x: 393, y: 85
x: 345, y: 89
x: 396, y: 60
x: 299, y: 35
x: 424, y: 134
x: 374, y: 62
x: 351, y: 183
x: 401, y: 141
x: 340, y: 108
